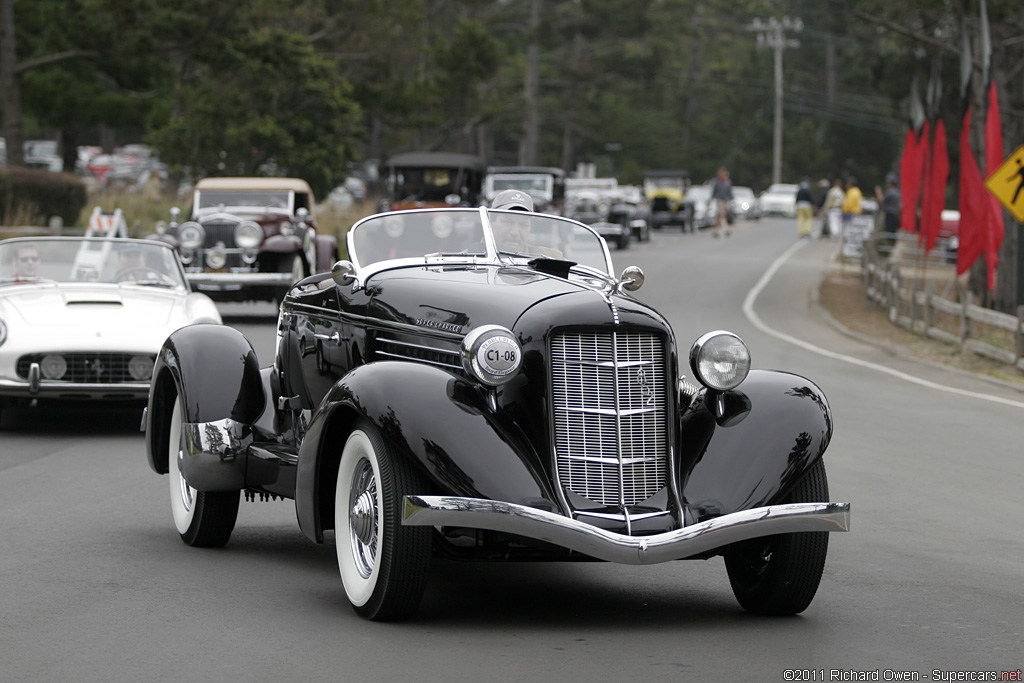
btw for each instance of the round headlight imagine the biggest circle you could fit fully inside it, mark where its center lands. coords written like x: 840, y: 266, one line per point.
x: 285, y: 228
x: 720, y: 360
x: 53, y: 366
x: 215, y: 258
x: 140, y: 367
x: 191, y: 235
x: 491, y: 354
x: 186, y: 256
x: 248, y: 235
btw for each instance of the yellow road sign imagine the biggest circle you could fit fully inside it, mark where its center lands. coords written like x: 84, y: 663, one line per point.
x: 1007, y: 183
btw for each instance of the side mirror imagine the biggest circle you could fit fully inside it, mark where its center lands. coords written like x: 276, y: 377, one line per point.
x: 343, y: 273
x: 632, y: 278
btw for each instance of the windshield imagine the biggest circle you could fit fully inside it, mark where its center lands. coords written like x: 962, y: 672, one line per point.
x: 273, y: 200
x: 664, y: 183
x: 80, y: 259
x: 538, y: 186
x: 475, y: 235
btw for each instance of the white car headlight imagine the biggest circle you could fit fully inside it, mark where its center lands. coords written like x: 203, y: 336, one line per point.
x: 141, y: 367
x: 53, y: 366
x: 286, y: 228
x: 720, y: 360
x: 491, y: 354
x: 191, y: 235
x: 248, y: 235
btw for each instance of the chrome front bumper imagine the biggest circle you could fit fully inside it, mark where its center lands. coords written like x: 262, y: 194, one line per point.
x: 219, y: 282
x: 612, y: 547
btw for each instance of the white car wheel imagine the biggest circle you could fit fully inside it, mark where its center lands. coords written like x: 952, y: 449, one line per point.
x: 383, y: 565
x: 203, y: 519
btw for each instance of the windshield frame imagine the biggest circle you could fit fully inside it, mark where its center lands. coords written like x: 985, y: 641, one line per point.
x: 491, y: 255
x: 164, y: 261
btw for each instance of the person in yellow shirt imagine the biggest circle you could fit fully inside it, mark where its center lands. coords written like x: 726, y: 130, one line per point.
x: 851, y: 204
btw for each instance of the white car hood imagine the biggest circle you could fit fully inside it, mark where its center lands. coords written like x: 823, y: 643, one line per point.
x: 103, y: 307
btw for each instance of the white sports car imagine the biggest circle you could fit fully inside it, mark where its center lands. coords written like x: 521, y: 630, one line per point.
x: 84, y: 317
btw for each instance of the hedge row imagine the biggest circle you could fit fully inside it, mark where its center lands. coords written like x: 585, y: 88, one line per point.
x: 31, y: 197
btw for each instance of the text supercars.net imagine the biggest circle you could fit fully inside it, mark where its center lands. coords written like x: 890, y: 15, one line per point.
x: 898, y: 675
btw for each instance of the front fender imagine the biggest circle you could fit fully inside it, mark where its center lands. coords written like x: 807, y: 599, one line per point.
x: 214, y: 369
x: 282, y: 244
x: 438, y: 420
x: 776, y: 425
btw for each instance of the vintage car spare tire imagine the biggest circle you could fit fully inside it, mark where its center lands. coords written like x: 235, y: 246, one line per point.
x: 779, y: 575
x: 383, y: 564
x: 203, y: 519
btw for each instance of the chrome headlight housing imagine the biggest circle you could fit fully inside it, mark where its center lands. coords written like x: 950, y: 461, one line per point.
x: 141, y: 367
x: 720, y: 360
x: 248, y: 235
x: 491, y: 354
x: 216, y: 258
x: 53, y: 366
x: 191, y: 235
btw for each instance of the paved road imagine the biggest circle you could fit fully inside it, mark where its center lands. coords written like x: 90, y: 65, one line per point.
x: 96, y: 585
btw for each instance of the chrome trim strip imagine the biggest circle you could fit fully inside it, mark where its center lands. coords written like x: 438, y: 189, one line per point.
x: 610, y: 364
x: 248, y: 279
x: 399, y: 356
x: 610, y: 411
x: 698, y: 538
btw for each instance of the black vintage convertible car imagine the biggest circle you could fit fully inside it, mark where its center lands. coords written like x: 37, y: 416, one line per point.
x: 479, y: 385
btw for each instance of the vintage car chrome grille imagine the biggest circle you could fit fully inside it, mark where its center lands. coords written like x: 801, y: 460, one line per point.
x: 392, y: 348
x: 88, y: 368
x: 609, y: 401
x: 219, y: 232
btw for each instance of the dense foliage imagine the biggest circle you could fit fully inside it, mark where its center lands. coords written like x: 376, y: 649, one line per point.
x: 303, y: 87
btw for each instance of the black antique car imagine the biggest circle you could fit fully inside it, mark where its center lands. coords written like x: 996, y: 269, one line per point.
x: 249, y: 238
x: 478, y: 385
x: 417, y: 180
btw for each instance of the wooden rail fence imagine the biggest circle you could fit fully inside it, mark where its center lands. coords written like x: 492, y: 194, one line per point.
x: 914, y: 303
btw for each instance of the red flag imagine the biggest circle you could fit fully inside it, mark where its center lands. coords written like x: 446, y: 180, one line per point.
x: 910, y: 174
x: 972, y: 201
x: 993, y: 160
x: 934, y: 196
x: 912, y: 167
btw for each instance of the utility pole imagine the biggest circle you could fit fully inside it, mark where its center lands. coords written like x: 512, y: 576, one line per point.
x: 529, y: 152
x: 772, y: 34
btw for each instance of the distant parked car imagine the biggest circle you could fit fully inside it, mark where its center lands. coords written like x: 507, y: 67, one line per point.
x: 704, y: 210
x: 745, y: 204
x: 779, y: 200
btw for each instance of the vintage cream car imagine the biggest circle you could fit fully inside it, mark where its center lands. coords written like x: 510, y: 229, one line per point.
x: 249, y: 238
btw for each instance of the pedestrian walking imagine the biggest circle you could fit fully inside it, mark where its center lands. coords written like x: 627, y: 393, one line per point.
x: 891, y: 202
x: 851, y: 205
x: 804, y: 208
x: 721, y: 193
x: 832, y: 209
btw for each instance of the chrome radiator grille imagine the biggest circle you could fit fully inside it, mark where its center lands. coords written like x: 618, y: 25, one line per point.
x: 611, y: 443
x: 88, y: 368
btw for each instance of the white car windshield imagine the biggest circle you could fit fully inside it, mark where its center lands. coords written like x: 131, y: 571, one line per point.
x: 89, y: 260
x: 476, y: 236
